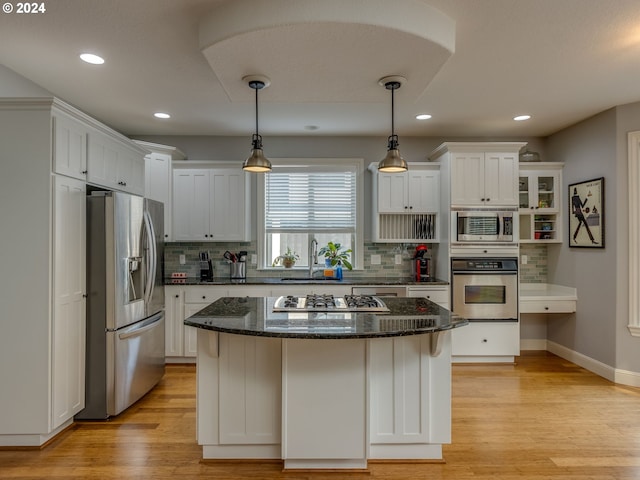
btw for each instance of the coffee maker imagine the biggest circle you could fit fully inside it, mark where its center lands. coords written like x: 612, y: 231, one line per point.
x: 421, y: 264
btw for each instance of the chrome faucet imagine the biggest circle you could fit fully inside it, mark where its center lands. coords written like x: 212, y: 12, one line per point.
x: 313, y: 255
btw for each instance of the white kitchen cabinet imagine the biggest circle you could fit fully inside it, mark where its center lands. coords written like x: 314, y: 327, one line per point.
x: 210, y: 204
x: 414, y: 191
x: 486, y: 342
x: 407, y: 204
x: 158, y: 178
x: 484, y: 179
x: 115, y: 163
x: 540, y: 201
x: 404, y: 406
x: 250, y: 371
x: 181, y: 302
x: 69, y: 287
x: 174, y: 328
x: 69, y: 146
x: 436, y: 293
x: 481, y: 173
x: 42, y: 293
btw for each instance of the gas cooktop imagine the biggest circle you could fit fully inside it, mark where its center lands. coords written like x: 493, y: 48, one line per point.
x: 329, y: 303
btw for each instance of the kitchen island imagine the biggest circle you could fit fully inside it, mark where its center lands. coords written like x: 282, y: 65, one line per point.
x: 323, y: 389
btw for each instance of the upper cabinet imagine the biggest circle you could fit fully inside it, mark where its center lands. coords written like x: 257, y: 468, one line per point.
x: 407, y: 203
x: 539, y: 190
x: 481, y: 174
x: 415, y: 191
x: 211, y: 204
x: 158, y: 178
x: 115, y: 164
x: 69, y: 146
x: 484, y: 179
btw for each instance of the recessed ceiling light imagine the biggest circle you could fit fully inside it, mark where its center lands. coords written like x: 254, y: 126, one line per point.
x: 423, y: 116
x: 161, y: 115
x: 91, y: 58
x: 520, y: 118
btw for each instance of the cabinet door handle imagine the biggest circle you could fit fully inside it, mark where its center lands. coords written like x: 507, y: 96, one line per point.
x: 488, y: 199
x: 482, y: 199
x: 546, y: 308
x: 84, y: 172
x: 177, y: 295
x: 484, y: 340
x: 411, y: 207
x: 204, y: 297
x: 405, y: 207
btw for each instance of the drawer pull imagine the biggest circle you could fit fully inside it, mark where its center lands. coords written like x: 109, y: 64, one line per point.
x: 204, y: 297
x: 484, y: 340
x: 546, y: 308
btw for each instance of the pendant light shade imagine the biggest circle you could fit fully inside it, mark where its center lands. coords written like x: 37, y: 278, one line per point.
x: 257, y: 162
x: 393, y: 162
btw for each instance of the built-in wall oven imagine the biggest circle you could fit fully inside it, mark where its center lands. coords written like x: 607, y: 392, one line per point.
x: 485, y: 289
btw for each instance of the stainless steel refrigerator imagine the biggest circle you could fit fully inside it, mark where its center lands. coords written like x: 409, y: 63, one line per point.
x: 125, y: 304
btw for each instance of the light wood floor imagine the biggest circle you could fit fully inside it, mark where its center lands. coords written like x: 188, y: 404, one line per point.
x: 544, y: 418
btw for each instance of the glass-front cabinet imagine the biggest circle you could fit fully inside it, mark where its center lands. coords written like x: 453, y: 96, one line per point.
x: 540, y: 201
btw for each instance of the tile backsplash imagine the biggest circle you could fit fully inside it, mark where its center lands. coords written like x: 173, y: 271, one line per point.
x: 191, y: 250
x: 535, y: 271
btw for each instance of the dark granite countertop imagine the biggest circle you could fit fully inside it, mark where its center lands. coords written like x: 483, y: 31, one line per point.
x: 255, y: 316
x: 300, y: 280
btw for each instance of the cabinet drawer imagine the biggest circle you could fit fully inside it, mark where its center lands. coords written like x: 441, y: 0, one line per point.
x: 439, y: 295
x: 547, y: 306
x: 203, y: 294
x: 479, y: 338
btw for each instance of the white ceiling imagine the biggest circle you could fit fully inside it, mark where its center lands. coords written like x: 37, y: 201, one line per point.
x: 558, y: 60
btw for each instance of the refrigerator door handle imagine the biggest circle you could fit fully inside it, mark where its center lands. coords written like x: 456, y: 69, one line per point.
x: 139, y: 330
x: 151, y: 257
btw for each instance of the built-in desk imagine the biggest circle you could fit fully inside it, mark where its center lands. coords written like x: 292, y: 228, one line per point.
x: 547, y: 298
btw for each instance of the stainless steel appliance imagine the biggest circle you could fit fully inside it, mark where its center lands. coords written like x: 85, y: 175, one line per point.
x: 329, y: 303
x: 485, y: 289
x: 484, y: 226
x: 125, y: 307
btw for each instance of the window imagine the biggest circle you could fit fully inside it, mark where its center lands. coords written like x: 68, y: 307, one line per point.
x: 315, y: 199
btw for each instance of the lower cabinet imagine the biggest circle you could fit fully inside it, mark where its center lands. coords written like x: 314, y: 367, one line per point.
x: 250, y: 389
x: 246, y: 384
x: 493, y: 341
x: 180, y: 303
x: 405, y: 406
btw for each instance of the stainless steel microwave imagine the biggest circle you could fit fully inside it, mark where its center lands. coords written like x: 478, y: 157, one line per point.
x: 484, y: 226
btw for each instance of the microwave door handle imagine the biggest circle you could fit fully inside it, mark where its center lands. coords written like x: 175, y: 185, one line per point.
x: 500, y: 225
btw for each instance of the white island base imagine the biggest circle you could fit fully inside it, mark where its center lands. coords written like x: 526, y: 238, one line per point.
x: 323, y: 403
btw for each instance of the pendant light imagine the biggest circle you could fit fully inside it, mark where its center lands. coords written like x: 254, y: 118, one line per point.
x: 393, y: 162
x: 257, y: 162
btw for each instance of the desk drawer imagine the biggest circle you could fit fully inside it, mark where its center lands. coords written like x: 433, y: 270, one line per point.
x: 547, y: 306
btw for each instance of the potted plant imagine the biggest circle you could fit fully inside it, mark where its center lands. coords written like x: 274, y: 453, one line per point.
x: 288, y: 258
x: 336, y: 255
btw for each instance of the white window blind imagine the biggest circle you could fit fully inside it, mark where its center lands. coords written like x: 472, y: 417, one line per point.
x: 311, y: 199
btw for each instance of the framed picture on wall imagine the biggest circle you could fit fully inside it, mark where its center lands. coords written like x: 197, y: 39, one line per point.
x: 586, y: 214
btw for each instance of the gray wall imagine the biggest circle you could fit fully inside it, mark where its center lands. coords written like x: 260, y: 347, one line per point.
x: 588, y: 150
x: 597, y: 147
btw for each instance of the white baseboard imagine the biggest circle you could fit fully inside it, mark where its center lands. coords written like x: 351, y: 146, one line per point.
x: 625, y: 377
x: 589, y: 363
